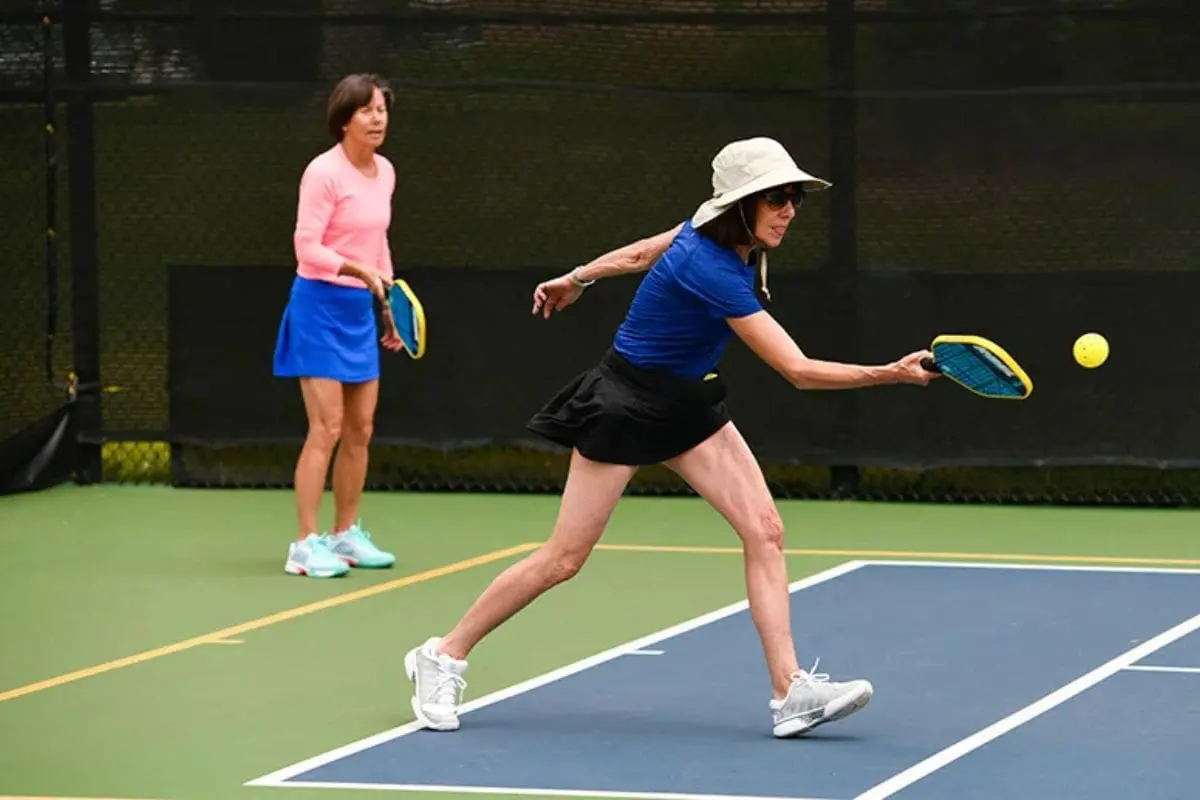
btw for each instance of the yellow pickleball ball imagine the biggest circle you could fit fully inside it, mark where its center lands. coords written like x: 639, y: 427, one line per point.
x: 1091, y: 350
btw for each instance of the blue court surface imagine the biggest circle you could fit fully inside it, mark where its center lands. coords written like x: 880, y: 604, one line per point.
x: 991, y: 681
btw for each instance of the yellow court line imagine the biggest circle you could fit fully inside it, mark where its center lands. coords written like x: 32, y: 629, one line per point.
x: 911, y: 554
x: 282, y: 616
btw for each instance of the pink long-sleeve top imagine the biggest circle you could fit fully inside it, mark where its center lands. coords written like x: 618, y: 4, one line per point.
x: 343, y: 215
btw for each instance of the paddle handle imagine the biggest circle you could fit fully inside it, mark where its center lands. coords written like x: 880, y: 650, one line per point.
x: 929, y: 365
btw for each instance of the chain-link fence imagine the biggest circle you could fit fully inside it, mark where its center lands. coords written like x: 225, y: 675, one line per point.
x: 1039, y: 149
x: 34, y: 309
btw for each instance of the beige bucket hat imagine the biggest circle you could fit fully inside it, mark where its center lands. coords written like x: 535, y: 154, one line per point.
x: 747, y: 166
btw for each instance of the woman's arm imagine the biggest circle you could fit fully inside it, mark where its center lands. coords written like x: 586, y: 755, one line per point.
x: 385, y: 258
x: 377, y: 282
x: 636, y: 256
x: 373, y: 281
x: 770, y: 342
x: 314, y: 209
x: 558, y: 293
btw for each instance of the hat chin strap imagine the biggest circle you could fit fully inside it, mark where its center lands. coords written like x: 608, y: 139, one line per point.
x: 758, y: 244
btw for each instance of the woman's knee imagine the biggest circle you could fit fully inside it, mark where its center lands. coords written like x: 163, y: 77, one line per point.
x: 563, y: 563
x: 359, y: 425
x: 357, y: 431
x: 323, y: 406
x: 764, y: 530
x: 325, y: 431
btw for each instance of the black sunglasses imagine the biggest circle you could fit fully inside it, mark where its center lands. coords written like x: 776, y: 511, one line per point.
x: 777, y: 198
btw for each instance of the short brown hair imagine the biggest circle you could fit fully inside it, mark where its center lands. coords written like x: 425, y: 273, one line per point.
x: 352, y: 93
x: 728, y: 228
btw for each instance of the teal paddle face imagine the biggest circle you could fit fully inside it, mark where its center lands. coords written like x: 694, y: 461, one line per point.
x: 979, y: 370
x: 406, y: 318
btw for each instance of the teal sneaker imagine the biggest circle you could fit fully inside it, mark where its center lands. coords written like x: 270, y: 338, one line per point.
x: 311, y: 556
x: 355, y: 547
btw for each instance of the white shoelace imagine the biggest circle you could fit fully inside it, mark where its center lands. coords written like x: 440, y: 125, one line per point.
x: 812, y: 676
x: 448, y: 687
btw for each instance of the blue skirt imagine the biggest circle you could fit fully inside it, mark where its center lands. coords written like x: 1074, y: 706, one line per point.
x: 327, y: 331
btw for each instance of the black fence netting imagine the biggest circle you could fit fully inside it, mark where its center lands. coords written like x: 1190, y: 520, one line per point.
x: 35, y: 371
x: 1020, y: 170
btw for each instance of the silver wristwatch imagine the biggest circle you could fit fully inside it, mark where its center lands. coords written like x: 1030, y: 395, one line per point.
x: 580, y: 283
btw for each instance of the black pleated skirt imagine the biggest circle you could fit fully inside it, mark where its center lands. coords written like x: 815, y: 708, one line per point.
x: 618, y: 413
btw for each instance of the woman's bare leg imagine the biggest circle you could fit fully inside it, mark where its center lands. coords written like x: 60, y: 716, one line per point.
x: 308, y: 553
x: 591, y: 493
x: 436, y: 667
x: 724, y: 472
x: 323, y: 405
x: 350, y: 464
x: 350, y: 543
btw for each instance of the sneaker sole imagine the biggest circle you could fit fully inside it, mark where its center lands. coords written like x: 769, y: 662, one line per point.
x: 355, y: 564
x: 839, y: 709
x: 296, y: 569
x: 410, y: 669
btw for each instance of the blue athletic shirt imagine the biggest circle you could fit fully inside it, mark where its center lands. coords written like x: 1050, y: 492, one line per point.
x: 677, y: 318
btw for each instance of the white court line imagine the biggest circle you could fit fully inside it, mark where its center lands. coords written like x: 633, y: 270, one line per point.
x: 1149, y: 668
x: 645, y: 652
x: 978, y: 739
x: 1034, y: 567
x: 504, y: 790
x: 279, y: 778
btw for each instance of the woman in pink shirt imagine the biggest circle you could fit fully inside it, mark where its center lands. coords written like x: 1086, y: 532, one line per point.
x: 327, y: 337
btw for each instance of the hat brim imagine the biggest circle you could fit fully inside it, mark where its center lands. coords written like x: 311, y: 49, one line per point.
x: 714, y: 207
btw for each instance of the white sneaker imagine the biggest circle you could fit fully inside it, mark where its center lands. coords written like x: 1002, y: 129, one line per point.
x: 813, y: 700
x: 438, y: 685
x: 311, y: 556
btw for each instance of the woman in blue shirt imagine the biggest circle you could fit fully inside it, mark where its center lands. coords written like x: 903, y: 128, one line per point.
x: 655, y: 398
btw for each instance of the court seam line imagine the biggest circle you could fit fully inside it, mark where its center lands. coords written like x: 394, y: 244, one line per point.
x: 280, y: 778
x: 520, y: 791
x: 948, y: 755
x: 262, y: 622
x: 63, y: 797
x: 904, y: 554
x: 1034, y: 567
x: 1161, y: 668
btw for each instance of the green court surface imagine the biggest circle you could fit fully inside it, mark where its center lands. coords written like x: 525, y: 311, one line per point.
x: 154, y: 648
